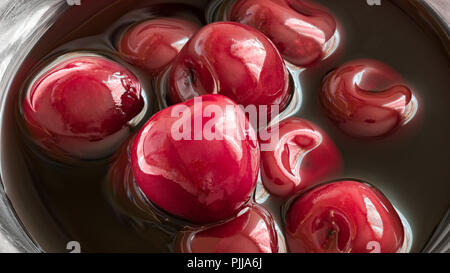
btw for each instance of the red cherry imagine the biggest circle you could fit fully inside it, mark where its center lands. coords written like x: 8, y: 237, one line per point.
x: 253, y: 231
x: 303, y: 156
x: 155, y: 43
x: 233, y: 60
x: 300, y: 29
x: 345, y: 216
x: 191, y: 177
x: 80, y: 107
x: 367, y: 98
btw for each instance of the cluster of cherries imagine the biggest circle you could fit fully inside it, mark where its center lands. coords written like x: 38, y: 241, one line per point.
x: 85, y: 106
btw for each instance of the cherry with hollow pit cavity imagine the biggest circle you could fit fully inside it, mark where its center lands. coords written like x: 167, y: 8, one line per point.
x: 341, y: 217
x: 197, y: 178
x: 367, y: 98
x: 82, y: 107
x: 153, y: 44
x: 233, y: 60
x: 300, y: 155
x: 303, y: 31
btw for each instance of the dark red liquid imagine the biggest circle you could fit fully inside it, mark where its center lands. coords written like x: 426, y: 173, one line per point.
x: 59, y: 203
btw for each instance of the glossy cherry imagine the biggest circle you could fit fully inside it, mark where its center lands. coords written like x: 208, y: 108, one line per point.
x: 155, y: 43
x: 252, y: 231
x: 303, y: 156
x: 345, y: 216
x: 81, y: 106
x: 367, y: 98
x: 196, y: 176
x: 233, y: 60
x: 300, y: 29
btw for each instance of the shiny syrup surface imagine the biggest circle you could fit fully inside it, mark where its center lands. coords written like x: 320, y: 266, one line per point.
x: 60, y: 203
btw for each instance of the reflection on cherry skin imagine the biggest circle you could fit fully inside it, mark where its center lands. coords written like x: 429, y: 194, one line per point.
x: 193, y: 177
x: 233, y: 60
x: 300, y: 29
x: 367, y: 98
x: 303, y: 157
x: 80, y: 107
x: 252, y: 231
x: 154, y: 44
x: 344, y: 216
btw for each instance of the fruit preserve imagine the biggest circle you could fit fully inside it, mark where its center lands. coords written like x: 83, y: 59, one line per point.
x: 231, y: 126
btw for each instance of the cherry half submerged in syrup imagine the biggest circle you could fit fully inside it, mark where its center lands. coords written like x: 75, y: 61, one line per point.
x: 80, y: 107
x: 300, y: 29
x: 252, y: 231
x: 344, y: 216
x: 154, y: 44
